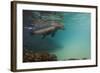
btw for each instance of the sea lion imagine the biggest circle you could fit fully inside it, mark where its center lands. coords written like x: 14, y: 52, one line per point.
x: 44, y: 30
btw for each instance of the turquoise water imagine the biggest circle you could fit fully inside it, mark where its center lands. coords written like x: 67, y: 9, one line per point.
x: 75, y: 39
x: 73, y: 42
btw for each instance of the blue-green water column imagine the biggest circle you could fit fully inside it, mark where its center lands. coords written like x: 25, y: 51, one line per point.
x: 76, y: 38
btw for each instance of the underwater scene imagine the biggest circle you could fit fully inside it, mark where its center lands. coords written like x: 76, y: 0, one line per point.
x: 56, y: 36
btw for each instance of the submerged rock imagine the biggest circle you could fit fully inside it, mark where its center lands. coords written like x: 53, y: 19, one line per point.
x: 29, y: 56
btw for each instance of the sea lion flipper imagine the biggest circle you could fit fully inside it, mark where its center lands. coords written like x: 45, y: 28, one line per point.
x: 43, y: 36
x: 53, y: 34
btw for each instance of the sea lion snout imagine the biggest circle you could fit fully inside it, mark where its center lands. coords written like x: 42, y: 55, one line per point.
x: 60, y: 27
x: 57, y: 25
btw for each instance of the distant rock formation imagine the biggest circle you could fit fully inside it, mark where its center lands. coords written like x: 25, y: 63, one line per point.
x: 76, y: 59
x: 84, y: 58
x: 73, y: 59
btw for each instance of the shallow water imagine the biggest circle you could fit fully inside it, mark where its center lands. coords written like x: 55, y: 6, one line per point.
x: 72, y: 42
